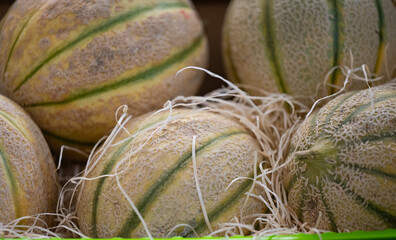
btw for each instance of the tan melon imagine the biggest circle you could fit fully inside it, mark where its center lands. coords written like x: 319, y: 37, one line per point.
x: 28, y: 180
x: 290, y: 46
x: 158, y: 177
x: 342, y: 171
x: 71, y: 64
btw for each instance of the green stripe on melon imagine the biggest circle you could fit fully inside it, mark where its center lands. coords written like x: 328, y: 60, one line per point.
x: 23, y: 11
x: 159, y: 178
x: 290, y: 46
x: 221, y: 208
x: 342, y: 174
x: 13, y: 185
x: 28, y: 182
x: 336, y: 19
x: 111, y: 164
x: 161, y: 183
x: 84, y: 99
x: 271, y: 48
x: 73, y: 75
x: 120, y: 19
x: 146, y: 75
x: 15, y: 42
x: 15, y: 123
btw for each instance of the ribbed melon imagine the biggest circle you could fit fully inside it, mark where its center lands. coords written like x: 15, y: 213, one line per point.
x: 159, y: 179
x: 342, y: 170
x: 71, y: 64
x: 28, y: 181
x: 289, y: 46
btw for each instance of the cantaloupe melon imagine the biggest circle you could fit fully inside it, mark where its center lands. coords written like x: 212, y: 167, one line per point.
x: 28, y: 181
x: 158, y: 177
x: 342, y: 170
x: 71, y: 64
x: 290, y: 46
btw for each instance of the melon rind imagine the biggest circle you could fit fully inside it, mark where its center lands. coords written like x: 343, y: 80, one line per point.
x: 341, y: 174
x: 71, y: 64
x: 290, y: 46
x: 28, y: 179
x: 159, y: 177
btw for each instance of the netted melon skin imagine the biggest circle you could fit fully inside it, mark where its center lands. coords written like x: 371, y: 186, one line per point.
x: 290, y: 46
x: 341, y: 174
x: 71, y: 64
x: 159, y: 178
x: 28, y: 179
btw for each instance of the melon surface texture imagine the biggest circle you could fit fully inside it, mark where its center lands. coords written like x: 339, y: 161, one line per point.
x: 71, y: 64
x: 28, y: 180
x: 156, y: 170
x: 342, y: 170
x: 290, y: 46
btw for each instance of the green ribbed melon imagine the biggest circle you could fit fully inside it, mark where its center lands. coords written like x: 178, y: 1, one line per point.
x: 71, y: 64
x: 342, y: 170
x: 28, y: 179
x: 289, y: 46
x: 159, y: 179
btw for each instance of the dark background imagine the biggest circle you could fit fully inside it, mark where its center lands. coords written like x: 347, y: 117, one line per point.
x: 212, y: 14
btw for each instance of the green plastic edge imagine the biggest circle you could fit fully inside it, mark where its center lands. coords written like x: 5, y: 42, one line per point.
x: 358, y: 235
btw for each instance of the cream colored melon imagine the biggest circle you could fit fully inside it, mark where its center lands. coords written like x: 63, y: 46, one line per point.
x: 289, y: 46
x: 28, y: 180
x: 158, y: 177
x: 342, y: 170
x: 71, y: 64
